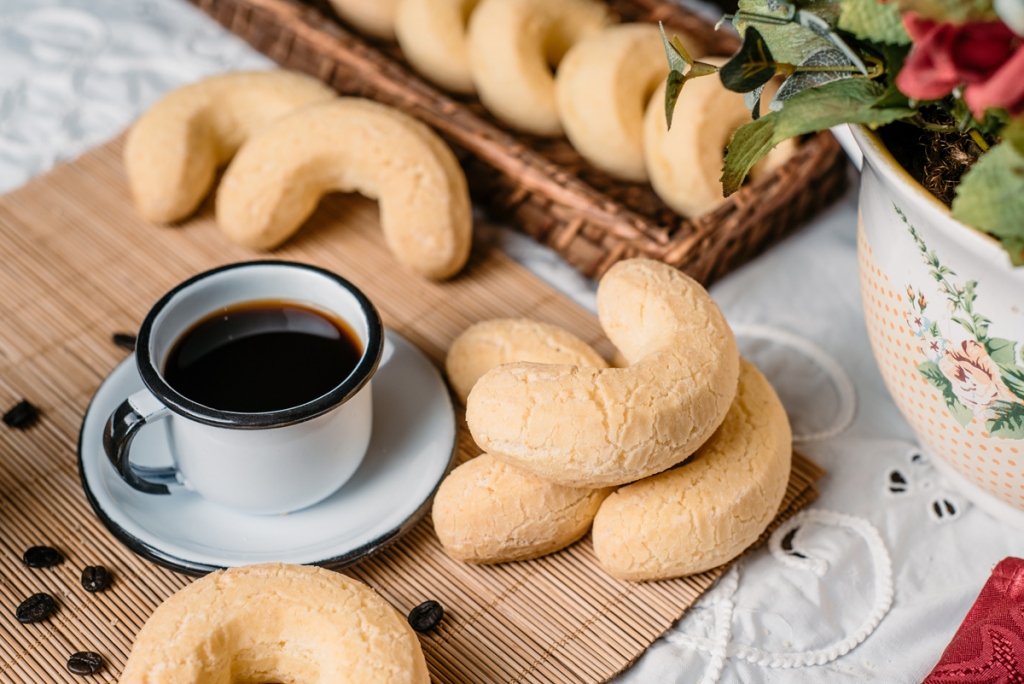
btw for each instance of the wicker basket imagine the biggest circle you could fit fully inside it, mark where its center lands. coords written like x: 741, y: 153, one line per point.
x: 543, y: 186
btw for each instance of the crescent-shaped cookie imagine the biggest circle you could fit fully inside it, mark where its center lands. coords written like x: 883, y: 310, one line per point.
x: 512, y: 46
x: 598, y: 427
x: 489, y: 344
x: 602, y: 88
x: 350, y: 144
x: 375, y: 18
x: 707, y: 511
x: 276, y: 623
x: 432, y: 34
x: 173, y: 151
x: 685, y: 163
x: 486, y: 511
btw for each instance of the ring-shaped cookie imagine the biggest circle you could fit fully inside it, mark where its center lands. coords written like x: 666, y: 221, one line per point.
x: 352, y: 145
x: 709, y: 510
x: 375, y: 18
x: 276, y: 623
x: 685, y: 163
x: 602, y: 88
x: 512, y: 46
x: 593, y: 427
x: 432, y: 34
x: 172, y: 152
x: 489, y: 344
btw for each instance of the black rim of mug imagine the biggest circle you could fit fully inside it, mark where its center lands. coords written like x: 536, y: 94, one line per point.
x: 184, y: 406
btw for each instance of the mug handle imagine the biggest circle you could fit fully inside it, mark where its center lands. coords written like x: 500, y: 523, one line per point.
x: 122, y: 426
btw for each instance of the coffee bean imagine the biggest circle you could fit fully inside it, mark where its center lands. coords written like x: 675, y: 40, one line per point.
x: 426, y: 616
x: 35, y: 608
x: 95, y: 578
x: 124, y: 340
x: 21, y: 416
x: 85, y: 663
x: 42, y: 557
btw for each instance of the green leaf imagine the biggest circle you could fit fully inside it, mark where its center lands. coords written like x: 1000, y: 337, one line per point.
x: 673, y: 86
x: 1013, y: 133
x: 1004, y: 354
x: 991, y: 198
x: 678, y: 59
x: 893, y: 57
x: 751, y: 67
x: 847, y: 101
x: 1009, y: 420
x: 954, y: 11
x: 789, y: 41
x: 812, y: 22
x: 802, y: 80
x: 749, y: 142
x: 814, y: 109
x: 873, y: 20
x: 933, y: 374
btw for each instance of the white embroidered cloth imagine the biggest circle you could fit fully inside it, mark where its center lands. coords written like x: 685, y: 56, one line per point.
x: 73, y: 73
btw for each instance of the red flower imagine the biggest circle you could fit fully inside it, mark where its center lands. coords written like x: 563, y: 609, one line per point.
x: 985, y: 57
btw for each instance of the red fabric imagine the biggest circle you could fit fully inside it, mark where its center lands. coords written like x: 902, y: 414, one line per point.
x: 989, y: 646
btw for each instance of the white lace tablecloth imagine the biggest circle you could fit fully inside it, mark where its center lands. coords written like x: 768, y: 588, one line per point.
x: 73, y: 73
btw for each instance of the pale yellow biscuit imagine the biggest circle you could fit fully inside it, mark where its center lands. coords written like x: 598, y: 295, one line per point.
x: 685, y: 163
x: 373, y: 17
x: 602, y: 88
x: 593, y: 427
x: 172, y: 152
x: 489, y: 344
x: 276, y: 623
x: 512, y: 46
x: 486, y: 511
x: 706, y: 512
x: 352, y: 145
x: 432, y: 34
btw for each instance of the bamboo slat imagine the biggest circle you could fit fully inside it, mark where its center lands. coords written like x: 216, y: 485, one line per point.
x: 78, y: 264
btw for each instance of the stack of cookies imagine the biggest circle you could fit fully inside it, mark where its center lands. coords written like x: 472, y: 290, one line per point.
x: 678, y: 460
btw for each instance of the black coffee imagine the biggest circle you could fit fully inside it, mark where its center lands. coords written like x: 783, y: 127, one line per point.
x: 262, y: 356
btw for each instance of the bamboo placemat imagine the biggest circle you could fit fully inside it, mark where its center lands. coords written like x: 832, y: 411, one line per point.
x: 77, y: 264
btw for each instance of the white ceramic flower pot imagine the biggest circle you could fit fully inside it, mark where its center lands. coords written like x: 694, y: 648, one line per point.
x: 945, y: 315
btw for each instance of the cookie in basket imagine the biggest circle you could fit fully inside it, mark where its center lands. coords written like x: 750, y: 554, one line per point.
x: 373, y: 17
x: 685, y: 163
x: 432, y: 34
x: 602, y: 88
x: 512, y: 46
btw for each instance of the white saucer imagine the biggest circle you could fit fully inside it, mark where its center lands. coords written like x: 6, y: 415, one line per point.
x: 411, y: 450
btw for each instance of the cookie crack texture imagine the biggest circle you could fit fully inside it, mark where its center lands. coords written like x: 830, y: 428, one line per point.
x: 172, y: 152
x: 709, y: 510
x: 275, y: 622
x: 564, y: 423
x: 349, y: 144
x: 486, y: 511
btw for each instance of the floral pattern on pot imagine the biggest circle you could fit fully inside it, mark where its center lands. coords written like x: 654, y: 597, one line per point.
x: 977, y: 374
x: 950, y: 370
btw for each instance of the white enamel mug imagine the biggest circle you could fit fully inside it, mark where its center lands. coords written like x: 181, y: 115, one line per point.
x: 262, y: 463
